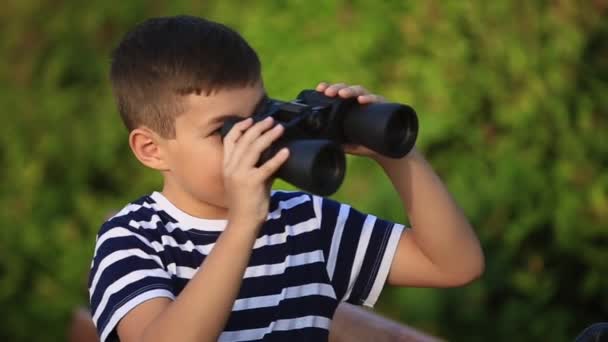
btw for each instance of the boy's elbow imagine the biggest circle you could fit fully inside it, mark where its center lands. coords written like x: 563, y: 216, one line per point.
x: 470, y: 272
x: 477, y: 269
x: 480, y: 264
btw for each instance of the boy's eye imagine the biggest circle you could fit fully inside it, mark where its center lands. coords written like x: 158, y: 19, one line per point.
x: 213, y: 132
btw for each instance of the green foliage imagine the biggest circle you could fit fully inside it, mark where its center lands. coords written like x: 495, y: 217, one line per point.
x: 511, y: 98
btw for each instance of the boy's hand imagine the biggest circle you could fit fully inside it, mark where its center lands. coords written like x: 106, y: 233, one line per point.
x: 247, y: 186
x: 363, y: 97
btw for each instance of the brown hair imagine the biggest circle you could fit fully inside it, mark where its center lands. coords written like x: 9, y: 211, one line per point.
x: 163, y: 59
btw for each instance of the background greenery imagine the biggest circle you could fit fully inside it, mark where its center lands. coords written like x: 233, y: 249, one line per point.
x: 512, y: 101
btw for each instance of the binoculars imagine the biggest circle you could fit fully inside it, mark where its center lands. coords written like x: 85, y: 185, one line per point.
x: 316, y: 126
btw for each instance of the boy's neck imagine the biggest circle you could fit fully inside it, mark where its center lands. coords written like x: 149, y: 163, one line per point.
x: 192, y: 206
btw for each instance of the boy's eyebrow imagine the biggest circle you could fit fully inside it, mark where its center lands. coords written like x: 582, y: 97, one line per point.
x: 257, y: 107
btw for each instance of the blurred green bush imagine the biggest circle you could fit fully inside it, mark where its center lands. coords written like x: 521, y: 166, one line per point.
x: 514, y: 114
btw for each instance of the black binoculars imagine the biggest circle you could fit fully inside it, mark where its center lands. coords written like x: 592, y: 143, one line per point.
x: 316, y: 126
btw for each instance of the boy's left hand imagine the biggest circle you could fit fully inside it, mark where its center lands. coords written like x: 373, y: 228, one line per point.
x: 363, y: 97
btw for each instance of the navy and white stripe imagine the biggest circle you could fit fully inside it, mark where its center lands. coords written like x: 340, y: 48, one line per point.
x: 311, y: 253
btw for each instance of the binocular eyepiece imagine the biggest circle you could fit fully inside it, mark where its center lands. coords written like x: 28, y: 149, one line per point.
x: 316, y: 126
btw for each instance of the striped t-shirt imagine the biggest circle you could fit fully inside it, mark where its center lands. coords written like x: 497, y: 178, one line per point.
x: 310, y: 254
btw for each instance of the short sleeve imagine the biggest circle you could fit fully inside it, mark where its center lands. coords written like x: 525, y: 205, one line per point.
x: 358, y: 250
x: 126, y: 271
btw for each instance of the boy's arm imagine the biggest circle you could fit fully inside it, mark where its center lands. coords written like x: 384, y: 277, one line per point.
x: 441, y: 249
x: 202, y: 309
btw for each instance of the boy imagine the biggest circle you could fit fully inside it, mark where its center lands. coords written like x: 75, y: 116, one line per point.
x: 216, y: 255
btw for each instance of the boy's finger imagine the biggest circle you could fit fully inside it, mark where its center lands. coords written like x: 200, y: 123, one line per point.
x: 248, y: 137
x: 322, y: 86
x: 333, y: 89
x: 352, y: 91
x: 252, y: 155
x: 370, y: 98
x: 273, y: 164
x: 237, y: 130
x: 233, y: 136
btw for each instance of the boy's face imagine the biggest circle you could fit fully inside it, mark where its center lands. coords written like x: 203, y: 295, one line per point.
x: 194, y: 181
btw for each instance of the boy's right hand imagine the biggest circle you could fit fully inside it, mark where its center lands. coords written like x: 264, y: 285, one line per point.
x: 247, y: 187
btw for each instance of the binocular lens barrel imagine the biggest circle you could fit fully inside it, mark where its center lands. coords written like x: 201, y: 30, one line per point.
x: 317, y: 166
x: 388, y: 128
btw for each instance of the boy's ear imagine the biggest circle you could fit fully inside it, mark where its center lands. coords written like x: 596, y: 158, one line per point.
x: 149, y: 148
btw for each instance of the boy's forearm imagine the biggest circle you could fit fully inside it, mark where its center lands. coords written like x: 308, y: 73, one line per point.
x: 441, y: 229
x: 202, y: 309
